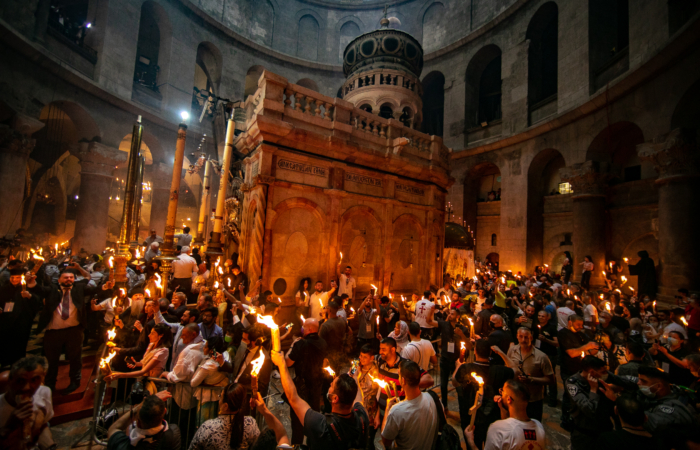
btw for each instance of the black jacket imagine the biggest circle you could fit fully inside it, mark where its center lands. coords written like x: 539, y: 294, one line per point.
x: 80, y: 295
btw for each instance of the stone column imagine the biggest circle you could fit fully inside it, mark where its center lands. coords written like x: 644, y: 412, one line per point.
x: 677, y: 160
x: 588, y: 181
x: 15, y: 147
x: 97, y: 165
x: 160, y: 176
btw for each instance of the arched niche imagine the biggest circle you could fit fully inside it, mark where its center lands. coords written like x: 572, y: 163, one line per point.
x: 360, y: 243
x: 608, y: 41
x: 348, y: 31
x: 687, y: 111
x: 207, y: 70
x: 251, y: 80
x: 543, y: 62
x: 482, y: 213
x: 617, y: 146
x: 298, y: 244
x: 308, y: 84
x: 153, y: 47
x: 483, y: 87
x: 433, y: 104
x: 307, y: 38
x: 406, y: 254
x: 434, y: 28
x: 261, y: 25
x: 542, y: 178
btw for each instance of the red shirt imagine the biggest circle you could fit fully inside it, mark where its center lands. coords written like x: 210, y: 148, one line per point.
x: 693, y: 317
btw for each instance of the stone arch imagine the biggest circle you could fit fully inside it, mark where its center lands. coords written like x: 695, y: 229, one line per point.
x: 648, y: 242
x: 544, y: 166
x: 308, y: 34
x: 406, y: 250
x: 616, y: 145
x: 262, y: 22
x: 347, y: 29
x: 251, y: 80
x: 433, y: 20
x: 483, y: 87
x: 542, y: 31
x: 608, y: 41
x: 308, y: 83
x: 554, y: 247
x: 361, y: 241
x: 153, y: 46
x: 297, y: 202
x: 433, y: 103
x: 208, y: 68
x: 687, y: 111
x: 482, y: 219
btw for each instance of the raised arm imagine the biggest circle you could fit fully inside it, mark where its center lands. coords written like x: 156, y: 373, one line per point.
x: 299, y: 406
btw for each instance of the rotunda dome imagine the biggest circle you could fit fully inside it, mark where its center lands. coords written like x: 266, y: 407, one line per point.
x: 385, y: 48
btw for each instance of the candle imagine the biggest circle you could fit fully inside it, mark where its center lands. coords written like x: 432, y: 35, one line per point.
x: 256, y: 365
x: 654, y: 305
x: 685, y: 322
x: 625, y: 259
x: 341, y: 255
x: 302, y: 319
x: 269, y: 322
x: 462, y: 351
x: 479, y: 397
x: 148, y: 293
x: 381, y: 383
x: 110, y: 262
x: 330, y: 371
x: 24, y: 284
x: 104, y: 363
x: 624, y: 279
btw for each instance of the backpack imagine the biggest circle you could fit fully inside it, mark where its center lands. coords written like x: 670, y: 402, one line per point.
x: 446, y: 437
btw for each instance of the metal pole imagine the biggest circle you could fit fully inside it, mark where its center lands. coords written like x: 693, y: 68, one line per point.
x: 138, y: 198
x: 203, y: 205
x: 215, y: 247
x: 130, y: 187
x: 168, y: 249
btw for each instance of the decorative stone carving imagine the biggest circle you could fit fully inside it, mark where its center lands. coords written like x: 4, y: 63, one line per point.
x: 587, y: 178
x: 96, y: 158
x: 12, y: 141
x: 673, y: 154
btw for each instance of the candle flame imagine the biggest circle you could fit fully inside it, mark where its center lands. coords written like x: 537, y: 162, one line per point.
x: 38, y: 257
x: 631, y: 288
x: 216, y: 285
x: 148, y: 293
x: 478, y: 379
x: 463, y: 347
x: 470, y: 321
x: 685, y: 322
x: 111, y: 334
x: 601, y: 296
x: 221, y: 272
x: 137, y: 254
x: 268, y: 321
x: 114, y: 302
x: 24, y: 282
x: 624, y: 279
x: 229, y: 282
x: 341, y: 255
x: 377, y: 320
x: 374, y: 287
x: 583, y: 355
x: 607, y: 306
x: 604, y: 274
x: 104, y: 362
x: 625, y: 259
x: 330, y: 371
x: 381, y: 383
x: 654, y: 304
x: 122, y: 291
x: 302, y: 318
x: 110, y: 261
x: 568, y: 292
x: 352, y: 310
x: 257, y: 364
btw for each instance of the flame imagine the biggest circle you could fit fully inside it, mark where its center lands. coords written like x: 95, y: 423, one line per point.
x: 377, y: 320
x: 382, y: 384
x: 654, y: 304
x: 122, y: 291
x: 374, y: 287
x: 302, y: 318
x: 229, y: 282
x: 137, y: 254
x: 341, y: 255
x: 546, y: 265
x: 503, y: 280
x: 403, y: 300
x: 24, y: 282
x: 447, y: 300
x: 216, y: 285
x: 631, y: 288
x: 220, y: 270
x: 104, y: 362
x: 625, y: 259
x: 685, y: 322
x: 568, y: 292
x: 114, y: 302
x: 583, y: 355
x: 110, y: 261
x: 330, y: 371
x: 604, y: 274
x: 148, y: 293
x: 470, y: 321
x: 611, y: 264
x: 624, y: 279
x: 601, y: 296
x: 38, y: 257
x: 257, y: 365
x: 111, y: 334
x: 56, y: 247
x: 478, y: 379
x: 352, y: 310
x: 607, y: 306
x: 41, y: 250
x: 268, y: 321
x: 463, y: 347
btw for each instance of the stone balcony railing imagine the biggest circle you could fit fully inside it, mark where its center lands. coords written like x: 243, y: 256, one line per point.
x: 339, y: 126
x: 383, y: 77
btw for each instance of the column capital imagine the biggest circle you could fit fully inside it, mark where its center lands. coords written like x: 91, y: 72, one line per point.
x: 589, y: 178
x: 96, y: 158
x: 161, y: 176
x: 674, y: 154
x: 12, y: 141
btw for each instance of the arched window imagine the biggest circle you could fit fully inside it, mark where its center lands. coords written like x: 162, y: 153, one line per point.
x: 207, y: 75
x: 434, y: 30
x: 434, y: 104
x: 307, y: 38
x: 152, y: 55
x: 679, y: 11
x: 348, y: 32
x: 307, y: 83
x: 542, y: 63
x: 483, y: 88
x: 407, y: 117
x: 494, y: 240
x: 386, y: 111
x: 69, y: 18
x: 608, y: 40
x: 251, y: 80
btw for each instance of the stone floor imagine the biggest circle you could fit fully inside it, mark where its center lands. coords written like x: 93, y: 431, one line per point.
x: 557, y: 438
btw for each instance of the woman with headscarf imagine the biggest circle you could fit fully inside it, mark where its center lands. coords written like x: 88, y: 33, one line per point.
x: 646, y: 275
x: 400, y: 335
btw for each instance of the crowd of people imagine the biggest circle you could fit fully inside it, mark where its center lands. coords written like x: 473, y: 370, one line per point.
x: 630, y: 368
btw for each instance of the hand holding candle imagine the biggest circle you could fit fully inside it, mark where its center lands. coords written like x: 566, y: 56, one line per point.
x: 269, y: 322
x: 256, y: 365
x: 478, y: 399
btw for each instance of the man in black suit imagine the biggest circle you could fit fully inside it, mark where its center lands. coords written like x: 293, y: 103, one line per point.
x: 64, y: 317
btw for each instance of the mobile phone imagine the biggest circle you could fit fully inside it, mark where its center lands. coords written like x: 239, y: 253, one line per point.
x: 289, y: 325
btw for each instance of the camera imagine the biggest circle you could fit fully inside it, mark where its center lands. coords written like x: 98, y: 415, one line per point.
x: 137, y: 393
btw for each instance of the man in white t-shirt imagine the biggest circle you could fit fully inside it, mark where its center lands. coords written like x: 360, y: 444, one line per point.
x: 424, y: 309
x: 515, y: 430
x: 412, y: 423
x: 419, y: 350
x: 563, y: 314
x: 346, y: 283
x: 319, y: 300
x: 590, y: 314
x: 27, y: 401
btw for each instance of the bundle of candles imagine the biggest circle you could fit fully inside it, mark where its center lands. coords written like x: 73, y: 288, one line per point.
x: 104, y: 362
x: 255, y: 371
x: 478, y: 399
x: 269, y: 322
x: 330, y: 371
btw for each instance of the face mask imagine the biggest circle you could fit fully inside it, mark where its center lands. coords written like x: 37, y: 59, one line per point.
x: 646, y: 391
x: 605, y: 376
x: 672, y: 341
x: 228, y: 339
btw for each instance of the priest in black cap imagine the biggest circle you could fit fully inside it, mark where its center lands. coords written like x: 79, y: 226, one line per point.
x: 18, y: 309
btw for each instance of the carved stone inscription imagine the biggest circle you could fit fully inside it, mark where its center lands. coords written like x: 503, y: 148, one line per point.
x: 410, y: 189
x: 363, y: 179
x: 302, y: 168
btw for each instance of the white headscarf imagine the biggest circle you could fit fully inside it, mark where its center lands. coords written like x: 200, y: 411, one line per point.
x: 136, y: 433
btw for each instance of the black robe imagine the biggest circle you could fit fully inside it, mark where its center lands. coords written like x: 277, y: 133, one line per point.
x: 15, y: 326
x: 646, y: 275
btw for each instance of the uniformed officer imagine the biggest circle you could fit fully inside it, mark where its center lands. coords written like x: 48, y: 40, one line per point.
x: 593, y: 402
x: 666, y: 411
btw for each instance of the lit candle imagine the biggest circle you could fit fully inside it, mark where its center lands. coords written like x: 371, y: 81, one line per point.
x: 478, y: 399
x: 269, y: 322
x: 256, y: 366
x: 24, y: 284
x: 654, y: 306
x: 462, y: 351
x: 685, y: 322
x: 381, y: 383
x: 330, y: 371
